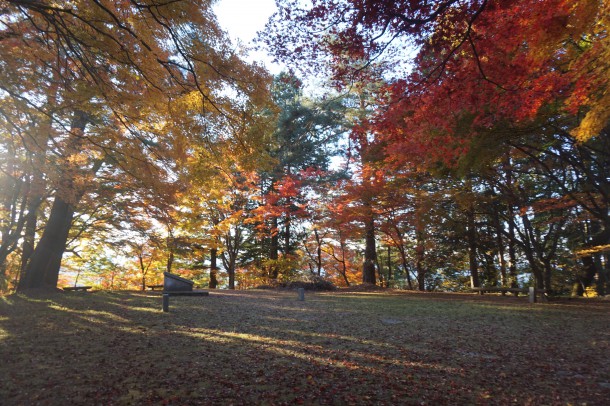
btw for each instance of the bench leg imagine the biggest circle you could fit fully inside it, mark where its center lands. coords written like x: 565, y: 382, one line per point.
x: 165, y: 302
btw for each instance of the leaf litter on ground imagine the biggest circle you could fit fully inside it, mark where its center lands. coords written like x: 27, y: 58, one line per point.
x: 267, y: 347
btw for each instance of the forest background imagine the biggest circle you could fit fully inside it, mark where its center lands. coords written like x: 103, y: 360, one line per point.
x: 458, y: 144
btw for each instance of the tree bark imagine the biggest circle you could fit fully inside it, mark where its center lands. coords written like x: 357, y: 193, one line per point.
x: 419, y: 265
x: 42, y: 270
x: 500, y: 243
x: 512, y: 252
x: 287, y: 231
x: 405, y: 267
x: 528, y: 248
x: 472, y: 248
x: 319, y: 252
x: 274, y: 249
x: 387, y: 283
x: 370, y: 252
x: 213, y: 268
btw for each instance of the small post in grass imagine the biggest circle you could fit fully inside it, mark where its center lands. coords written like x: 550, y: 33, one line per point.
x: 532, y: 294
x: 301, y: 292
x: 165, y: 302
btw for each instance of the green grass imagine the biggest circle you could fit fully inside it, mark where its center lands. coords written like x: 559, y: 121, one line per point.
x: 266, y: 347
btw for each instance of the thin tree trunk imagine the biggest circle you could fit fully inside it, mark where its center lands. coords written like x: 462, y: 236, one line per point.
x: 512, y: 239
x: 170, y: 260
x: 387, y: 285
x: 512, y: 252
x: 405, y: 266
x: 274, y: 250
x: 528, y: 248
x: 213, y: 268
x: 287, y: 231
x: 500, y: 243
x: 343, y: 262
x: 319, y: 252
x: 142, y: 269
x: 472, y: 248
x: 419, y: 265
x: 403, y: 256
x: 548, y: 273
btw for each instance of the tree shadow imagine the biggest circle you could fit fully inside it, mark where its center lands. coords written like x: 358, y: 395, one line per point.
x: 269, y: 347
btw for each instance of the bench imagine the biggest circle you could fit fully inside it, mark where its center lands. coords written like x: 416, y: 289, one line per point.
x: 531, y: 291
x: 154, y: 287
x: 77, y: 288
x: 167, y: 294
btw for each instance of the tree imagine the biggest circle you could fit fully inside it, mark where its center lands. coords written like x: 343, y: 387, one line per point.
x: 300, y: 146
x: 485, y: 75
x: 471, y: 58
x: 143, y: 75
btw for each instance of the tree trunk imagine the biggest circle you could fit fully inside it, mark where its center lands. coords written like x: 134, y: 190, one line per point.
x: 512, y: 239
x: 528, y: 248
x: 419, y: 266
x: 512, y: 252
x: 403, y: 256
x: 319, y: 252
x: 213, y: 268
x: 274, y: 249
x: 287, y: 231
x: 370, y: 252
x: 472, y: 249
x: 142, y: 269
x: 585, y: 279
x: 170, y: 260
x: 42, y: 270
x: 13, y: 205
x: 229, y: 257
x: 231, y: 272
x: 387, y: 284
x: 405, y: 266
x: 500, y: 243
x: 548, y: 273
x: 31, y: 218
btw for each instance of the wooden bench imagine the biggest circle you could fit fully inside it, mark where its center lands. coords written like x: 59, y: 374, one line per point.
x: 531, y: 291
x: 154, y: 287
x: 167, y: 294
x: 77, y: 288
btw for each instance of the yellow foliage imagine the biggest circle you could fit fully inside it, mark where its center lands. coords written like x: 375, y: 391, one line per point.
x: 593, y: 250
x: 597, y: 74
x: 192, y: 101
x: 595, y: 120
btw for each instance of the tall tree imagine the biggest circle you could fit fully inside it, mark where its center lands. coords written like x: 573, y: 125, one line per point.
x: 301, y: 143
x: 143, y: 77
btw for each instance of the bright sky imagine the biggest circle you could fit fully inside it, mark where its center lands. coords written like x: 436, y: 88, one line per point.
x: 242, y: 19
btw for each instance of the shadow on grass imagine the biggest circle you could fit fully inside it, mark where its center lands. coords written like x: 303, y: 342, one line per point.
x: 266, y: 347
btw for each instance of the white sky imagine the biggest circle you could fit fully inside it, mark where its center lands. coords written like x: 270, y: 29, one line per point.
x: 242, y: 19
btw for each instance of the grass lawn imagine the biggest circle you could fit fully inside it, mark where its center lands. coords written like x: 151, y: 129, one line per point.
x: 266, y: 347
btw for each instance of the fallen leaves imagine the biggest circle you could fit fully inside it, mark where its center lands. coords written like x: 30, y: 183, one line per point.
x: 266, y: 347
